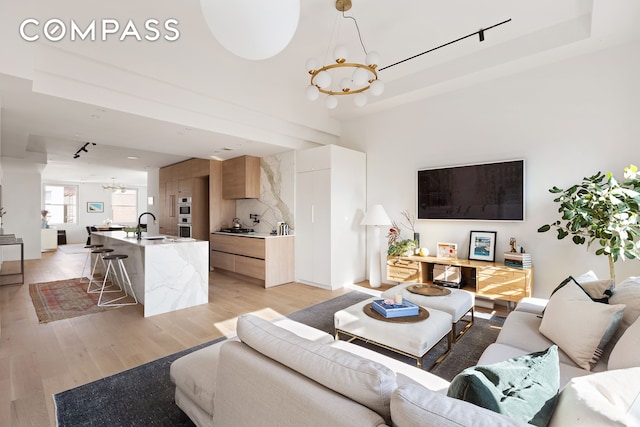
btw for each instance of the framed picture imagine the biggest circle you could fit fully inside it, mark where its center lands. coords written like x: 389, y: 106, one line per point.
x: 482, y: 246
x: 447, y: 250
x: 95, y: 207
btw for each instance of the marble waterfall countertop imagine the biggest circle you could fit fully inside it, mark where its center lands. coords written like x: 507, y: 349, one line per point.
x: 167, y: 273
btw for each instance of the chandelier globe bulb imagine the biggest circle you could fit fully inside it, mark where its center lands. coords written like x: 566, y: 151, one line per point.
x: 331, y: 102
x: 377, y: 87
x: 312, y: 92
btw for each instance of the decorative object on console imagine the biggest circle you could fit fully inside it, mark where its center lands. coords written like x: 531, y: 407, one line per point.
x: 45, y: 221
x: 411, y: 224
x: 353, y: 78
x: 517, y: 259
x: 375, y: 216
x: 447, y: 250
x: 602, y: 209
x: 482, y: 246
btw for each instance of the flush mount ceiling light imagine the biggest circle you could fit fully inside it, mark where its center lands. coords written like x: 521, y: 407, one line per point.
x: 345, y: 78
x: 252, y: 29
x: 113, y: 187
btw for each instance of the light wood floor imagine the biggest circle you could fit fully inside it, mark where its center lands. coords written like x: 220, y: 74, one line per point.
x: 39, y: 360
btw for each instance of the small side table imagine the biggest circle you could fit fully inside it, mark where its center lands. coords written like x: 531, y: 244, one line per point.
x: 11, y: 240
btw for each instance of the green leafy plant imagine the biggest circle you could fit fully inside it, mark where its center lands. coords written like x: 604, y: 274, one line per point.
x: 604, y: 210
x: 401, y: 247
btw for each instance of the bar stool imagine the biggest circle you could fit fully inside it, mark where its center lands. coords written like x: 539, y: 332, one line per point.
x: 123, y: 280
x: 86, y: 261
x: 100, y: 253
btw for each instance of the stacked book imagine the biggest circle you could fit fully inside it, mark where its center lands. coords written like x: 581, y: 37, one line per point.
x: 517, y: 259
x: 395, y: 310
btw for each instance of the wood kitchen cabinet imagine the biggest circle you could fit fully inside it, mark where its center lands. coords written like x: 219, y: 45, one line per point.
x: 267, y: 259
x: 241, y: 178
x: 185, y: 179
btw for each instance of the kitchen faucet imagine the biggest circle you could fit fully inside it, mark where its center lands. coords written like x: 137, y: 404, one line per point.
x: 139, y: 228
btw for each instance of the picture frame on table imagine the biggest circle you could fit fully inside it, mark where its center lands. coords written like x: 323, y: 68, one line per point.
x: 447, y: 250
x: 482, y: 246
x: 95, y: 207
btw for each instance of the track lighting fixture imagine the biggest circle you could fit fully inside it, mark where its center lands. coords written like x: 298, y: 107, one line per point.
x: 83, y: 148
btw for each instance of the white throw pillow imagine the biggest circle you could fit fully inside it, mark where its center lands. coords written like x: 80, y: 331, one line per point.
x: 579, y: 326
x: 628, y: 292
x: 626, y: 353
x: 610, y: 398
x: 589, y: 276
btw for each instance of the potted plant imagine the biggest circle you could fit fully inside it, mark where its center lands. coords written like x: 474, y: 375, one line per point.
x: 604, y: 210
x: 399, y: 247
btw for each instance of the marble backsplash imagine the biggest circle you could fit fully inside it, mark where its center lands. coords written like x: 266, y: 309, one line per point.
x: 277, y: 194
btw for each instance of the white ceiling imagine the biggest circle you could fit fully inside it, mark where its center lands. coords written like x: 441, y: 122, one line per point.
x: 164, y: 102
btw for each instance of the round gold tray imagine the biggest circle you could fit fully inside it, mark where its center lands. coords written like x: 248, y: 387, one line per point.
x: 429, y: 290
x: 422, y: 315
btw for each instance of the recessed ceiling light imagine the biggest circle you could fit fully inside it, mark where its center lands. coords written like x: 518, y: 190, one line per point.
x: 228, y: 149
x: 132, y: 158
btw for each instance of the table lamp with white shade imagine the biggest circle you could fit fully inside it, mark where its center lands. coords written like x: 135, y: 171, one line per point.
x: 375, y: 216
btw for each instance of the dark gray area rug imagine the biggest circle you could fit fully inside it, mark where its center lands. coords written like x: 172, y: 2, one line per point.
x: 143, y: 396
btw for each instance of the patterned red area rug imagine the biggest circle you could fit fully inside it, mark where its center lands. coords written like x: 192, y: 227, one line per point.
x: 63, y: 299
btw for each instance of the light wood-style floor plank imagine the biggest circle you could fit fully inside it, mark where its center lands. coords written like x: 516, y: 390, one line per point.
x: 39, y: 360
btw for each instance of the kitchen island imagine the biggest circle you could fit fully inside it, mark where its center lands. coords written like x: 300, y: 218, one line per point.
x: 167, y: 274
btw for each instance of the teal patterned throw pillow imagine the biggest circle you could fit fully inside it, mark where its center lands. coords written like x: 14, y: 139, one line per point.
x: 524, y: 388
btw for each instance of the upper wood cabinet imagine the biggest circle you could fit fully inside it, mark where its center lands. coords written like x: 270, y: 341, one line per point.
x: 241, y: 178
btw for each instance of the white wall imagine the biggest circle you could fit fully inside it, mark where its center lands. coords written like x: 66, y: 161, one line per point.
x: 21, y: 199
x: 567, y: 120
x: 77, y: 233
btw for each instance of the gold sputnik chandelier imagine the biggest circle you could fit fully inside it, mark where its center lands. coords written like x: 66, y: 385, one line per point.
x: 342, y: 77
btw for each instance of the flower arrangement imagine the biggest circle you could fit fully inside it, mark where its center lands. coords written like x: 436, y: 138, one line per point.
x: 397, y: 246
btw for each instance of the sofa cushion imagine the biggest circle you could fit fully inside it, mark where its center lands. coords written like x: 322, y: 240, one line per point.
x: 579, y: 326
x: 416, y: 406
x: 524, y: 388
x: 609, y: 398
x: 364, y: 381
x: 626, y: 353
x: 195, y: 375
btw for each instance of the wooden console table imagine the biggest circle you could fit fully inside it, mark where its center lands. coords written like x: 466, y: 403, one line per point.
x: 487, y: 279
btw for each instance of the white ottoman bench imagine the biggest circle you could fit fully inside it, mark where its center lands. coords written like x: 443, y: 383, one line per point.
x: 409, y: 338
x: 458, y: 303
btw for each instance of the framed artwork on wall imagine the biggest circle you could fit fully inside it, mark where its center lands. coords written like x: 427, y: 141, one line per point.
x: 95, y: 207
x: 447, y: 250
x: 482, y: 246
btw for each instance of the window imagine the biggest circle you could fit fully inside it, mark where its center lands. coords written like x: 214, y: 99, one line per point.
x: 62, y: 203
x: 124, y: 206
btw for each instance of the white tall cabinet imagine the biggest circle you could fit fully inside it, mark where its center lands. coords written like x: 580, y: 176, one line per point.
x: 330, y: 203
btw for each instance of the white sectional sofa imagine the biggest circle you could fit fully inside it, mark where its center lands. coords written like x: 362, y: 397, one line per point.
x: 288, y: 374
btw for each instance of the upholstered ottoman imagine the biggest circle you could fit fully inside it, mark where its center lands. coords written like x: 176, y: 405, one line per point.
x: 457, y: 303
x: 407, y: 337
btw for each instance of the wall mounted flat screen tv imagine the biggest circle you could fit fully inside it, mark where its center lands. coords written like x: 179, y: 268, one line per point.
x: 483, y: 192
